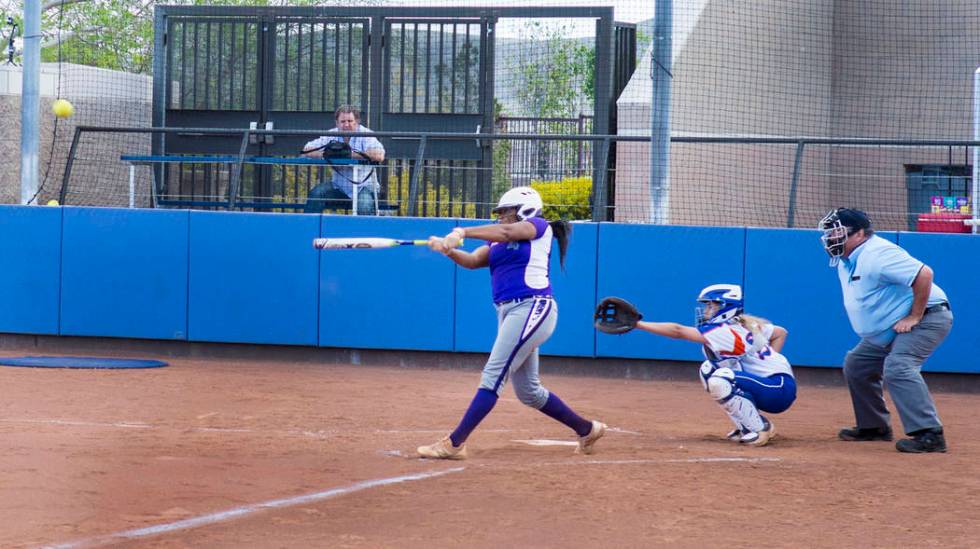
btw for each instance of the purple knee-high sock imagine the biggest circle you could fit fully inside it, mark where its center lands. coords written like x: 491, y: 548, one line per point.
x: 480, y: 406
x: 559, y: 410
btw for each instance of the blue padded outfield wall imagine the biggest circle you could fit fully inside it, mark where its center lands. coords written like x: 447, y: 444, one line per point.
x: 955, y: 259
x: 124, y: 273
x: 30, y: 269
x: 395, y: 298
x: 255, y: 278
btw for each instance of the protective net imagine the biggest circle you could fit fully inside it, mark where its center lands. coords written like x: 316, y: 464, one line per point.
x: 879, y: 70
x: 766, y: 101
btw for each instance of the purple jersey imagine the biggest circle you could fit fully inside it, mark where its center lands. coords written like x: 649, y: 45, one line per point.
x: 520, y: 269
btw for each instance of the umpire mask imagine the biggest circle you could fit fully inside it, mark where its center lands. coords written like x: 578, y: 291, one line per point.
x: 837, y: 226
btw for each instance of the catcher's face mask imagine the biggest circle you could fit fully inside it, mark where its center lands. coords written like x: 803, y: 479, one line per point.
x: 718, y: 303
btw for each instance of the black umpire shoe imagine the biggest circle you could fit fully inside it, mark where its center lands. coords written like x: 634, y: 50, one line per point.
x: 924, y: 441
x: 865, y: 434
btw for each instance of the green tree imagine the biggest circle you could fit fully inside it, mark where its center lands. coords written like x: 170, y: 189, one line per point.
x: 557, y: 80
x: 501, y: 156
x: 557, y: 74
x: 118, y: 34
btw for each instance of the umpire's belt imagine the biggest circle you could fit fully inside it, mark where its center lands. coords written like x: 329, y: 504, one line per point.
x: 520, y: 299
x: 938, y: 307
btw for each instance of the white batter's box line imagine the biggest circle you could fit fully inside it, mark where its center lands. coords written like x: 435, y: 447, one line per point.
x: 548, y: 442
x: 231, y: 514
x: 578, y: 461
x: 77, y: 423
x: 680, y: 460
x: 140, y: 425
x: 624, y: 431
x: 442, y: 431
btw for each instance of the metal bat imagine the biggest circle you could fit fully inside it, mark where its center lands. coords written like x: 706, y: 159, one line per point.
x: 363, y: 243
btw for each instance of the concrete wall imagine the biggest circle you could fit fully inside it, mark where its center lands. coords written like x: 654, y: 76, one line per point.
x: 101, y: 98
x: 817, y: 69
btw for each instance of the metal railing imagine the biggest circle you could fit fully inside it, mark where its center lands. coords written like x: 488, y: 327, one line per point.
x: 715, y: 180
x: 547, y: 160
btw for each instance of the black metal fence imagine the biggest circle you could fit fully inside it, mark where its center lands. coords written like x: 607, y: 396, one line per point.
x: 716, y: 181
x: 540, y: 160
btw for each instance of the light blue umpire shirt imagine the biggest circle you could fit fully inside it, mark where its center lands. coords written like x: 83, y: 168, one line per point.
x: 877, y: 283
x: 343, y: 177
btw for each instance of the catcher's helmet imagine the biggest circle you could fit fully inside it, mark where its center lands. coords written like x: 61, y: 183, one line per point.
x: 719, y: 303
x: 837, y: 226
x: 525, y: 199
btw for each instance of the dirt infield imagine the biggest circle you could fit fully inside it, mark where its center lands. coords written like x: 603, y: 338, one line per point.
x: 256, y: 453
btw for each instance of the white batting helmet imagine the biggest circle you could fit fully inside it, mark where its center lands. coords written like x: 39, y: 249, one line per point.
x: 525, y: 199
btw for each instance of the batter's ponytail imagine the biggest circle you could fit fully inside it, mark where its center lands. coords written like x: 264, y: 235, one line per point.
x: 562, y: 230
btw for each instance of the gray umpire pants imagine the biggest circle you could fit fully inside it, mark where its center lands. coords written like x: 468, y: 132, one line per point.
x: 899, y: 365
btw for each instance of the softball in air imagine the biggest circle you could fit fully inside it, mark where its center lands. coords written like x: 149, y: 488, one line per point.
x: 62, y: 108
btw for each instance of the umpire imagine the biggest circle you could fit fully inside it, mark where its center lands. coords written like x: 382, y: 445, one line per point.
x: 901, y: 316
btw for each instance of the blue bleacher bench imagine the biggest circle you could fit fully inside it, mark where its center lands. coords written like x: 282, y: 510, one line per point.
x: 147, y: 160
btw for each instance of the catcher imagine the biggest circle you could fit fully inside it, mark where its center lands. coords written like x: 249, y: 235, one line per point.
x: 744, y: 371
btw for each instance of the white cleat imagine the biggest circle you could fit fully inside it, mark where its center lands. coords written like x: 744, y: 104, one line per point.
x: 586, y: 443
x: 735, y: 435
x: 443, y: 449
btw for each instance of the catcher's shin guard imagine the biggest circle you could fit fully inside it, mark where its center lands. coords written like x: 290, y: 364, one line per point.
x: 720, y: 383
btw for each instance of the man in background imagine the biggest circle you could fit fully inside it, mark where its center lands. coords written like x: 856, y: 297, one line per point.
x: 345, y: 177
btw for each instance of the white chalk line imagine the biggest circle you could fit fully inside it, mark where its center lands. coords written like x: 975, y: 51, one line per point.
x: 624, y: 431
x: 122, y: 424
x: 319, y: 434
x: 441, y: 431
x: 141, y: 425
x: 579, y: 461
x: 547, y: 442
x: 672, y: 460
x: 223, y: 516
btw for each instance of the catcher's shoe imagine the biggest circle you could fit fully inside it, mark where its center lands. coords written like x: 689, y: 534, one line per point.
x: 760, y: 438
x: 736, y: 435
x: 443, y: 449
x: 586, y: 443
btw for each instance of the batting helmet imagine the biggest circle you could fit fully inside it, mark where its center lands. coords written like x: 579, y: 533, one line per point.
x: 525, y: 199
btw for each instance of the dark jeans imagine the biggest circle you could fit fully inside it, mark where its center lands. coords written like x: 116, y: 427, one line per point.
x: 325, y: 195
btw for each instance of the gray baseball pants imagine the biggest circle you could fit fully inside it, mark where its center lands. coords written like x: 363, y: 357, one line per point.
x: 521, y: 328
x: 899, y: 366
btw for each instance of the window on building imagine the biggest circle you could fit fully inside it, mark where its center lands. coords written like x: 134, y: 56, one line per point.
x: 937, y: 187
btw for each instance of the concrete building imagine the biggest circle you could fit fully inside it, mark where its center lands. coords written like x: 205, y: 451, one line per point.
x: 815, y: 69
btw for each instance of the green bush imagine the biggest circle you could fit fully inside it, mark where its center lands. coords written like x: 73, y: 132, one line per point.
x: 436, y: 204
x: 568, y: 199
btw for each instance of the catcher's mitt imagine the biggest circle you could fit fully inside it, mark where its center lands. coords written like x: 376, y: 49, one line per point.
x: 616, y: 316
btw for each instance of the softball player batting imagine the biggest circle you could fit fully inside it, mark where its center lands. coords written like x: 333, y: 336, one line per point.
x: 744, y: 371
x: 518, y: 250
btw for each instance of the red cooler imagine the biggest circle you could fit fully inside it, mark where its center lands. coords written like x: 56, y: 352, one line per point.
x: 943, y: 223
